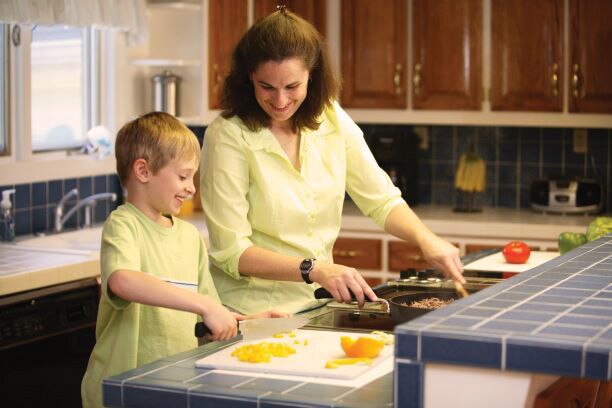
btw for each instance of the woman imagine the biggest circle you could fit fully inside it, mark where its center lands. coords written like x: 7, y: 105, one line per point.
x: 274, y: 171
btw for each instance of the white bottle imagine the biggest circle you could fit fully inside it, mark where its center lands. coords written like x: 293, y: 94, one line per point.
x: 7, y: 218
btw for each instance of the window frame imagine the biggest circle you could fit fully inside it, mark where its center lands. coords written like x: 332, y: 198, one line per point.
x: 22, y: 165
x: 5, y: 105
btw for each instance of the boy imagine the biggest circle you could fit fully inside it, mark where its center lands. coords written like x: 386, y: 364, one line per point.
x: 155, y: 278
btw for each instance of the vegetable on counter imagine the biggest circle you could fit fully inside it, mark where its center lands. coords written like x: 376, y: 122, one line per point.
x: 570, y: 240
x: 516, y: 252
x: 368, y: 347
x: 599, y: 227
x: 261, y: 352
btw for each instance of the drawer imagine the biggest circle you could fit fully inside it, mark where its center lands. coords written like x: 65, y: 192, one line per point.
x: 358, y: 253
x: 469, y: 248
x: 403, y: 255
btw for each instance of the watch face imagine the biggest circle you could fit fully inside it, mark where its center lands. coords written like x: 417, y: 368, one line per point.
x: 306, y: 265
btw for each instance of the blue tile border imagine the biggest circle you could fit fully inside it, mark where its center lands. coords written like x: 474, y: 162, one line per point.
x: 509, y: 328
x: 409, y: 388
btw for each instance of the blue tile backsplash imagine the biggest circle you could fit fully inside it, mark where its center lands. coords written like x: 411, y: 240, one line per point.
x: 514, y: 156
x: 34, y: 203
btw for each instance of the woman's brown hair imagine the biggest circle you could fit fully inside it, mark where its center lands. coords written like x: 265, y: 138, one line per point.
x: 276, y: 37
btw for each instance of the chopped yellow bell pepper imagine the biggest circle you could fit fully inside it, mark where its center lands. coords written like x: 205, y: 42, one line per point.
x: 346, y: 361
x: 261, y: 352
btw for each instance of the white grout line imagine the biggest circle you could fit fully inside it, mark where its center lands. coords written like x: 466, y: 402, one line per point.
x: 589, y: 341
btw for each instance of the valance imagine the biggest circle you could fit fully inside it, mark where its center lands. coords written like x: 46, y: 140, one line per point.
x: 123, y: 15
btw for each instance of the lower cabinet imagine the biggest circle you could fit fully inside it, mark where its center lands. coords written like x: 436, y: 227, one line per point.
x: 358, y: 253
x: 403, y: 255
x: 576, y: 392
x: 380, y: 257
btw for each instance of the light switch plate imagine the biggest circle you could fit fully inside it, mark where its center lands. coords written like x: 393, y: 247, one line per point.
x: 423, y: 133
x: 580, y: 141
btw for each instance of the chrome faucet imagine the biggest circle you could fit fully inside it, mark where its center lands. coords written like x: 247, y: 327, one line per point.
x: 87, y: 202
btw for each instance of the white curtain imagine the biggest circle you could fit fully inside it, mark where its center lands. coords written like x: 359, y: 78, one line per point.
x: 124, y: 15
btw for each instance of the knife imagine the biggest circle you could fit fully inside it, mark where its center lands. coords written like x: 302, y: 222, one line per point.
x: 254, y: 329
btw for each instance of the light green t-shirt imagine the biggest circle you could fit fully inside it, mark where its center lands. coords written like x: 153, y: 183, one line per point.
x: 252, y: 195
x: 129, y: 335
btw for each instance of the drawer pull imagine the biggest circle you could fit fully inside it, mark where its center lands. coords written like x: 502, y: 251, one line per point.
x: 416, y: 257
x: 347, y: 253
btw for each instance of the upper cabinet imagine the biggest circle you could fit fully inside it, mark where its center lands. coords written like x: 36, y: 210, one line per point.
x: 590, y: 44
x: 227, y: 22
x: 314, y: 11
x: 373, y: 53
x: 447, y: 54
x: 526, y: 55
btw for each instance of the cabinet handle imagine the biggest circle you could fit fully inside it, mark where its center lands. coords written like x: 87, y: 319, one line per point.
x: 217, y: 78
x: 416, y: 257
x: 554, y: 79
x: 397, y: 79
x: 416, y: 79
x: 575, y: 80
x: 347, y: 253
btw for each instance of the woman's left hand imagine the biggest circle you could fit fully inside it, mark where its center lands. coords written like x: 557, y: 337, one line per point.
x: 442, y: 255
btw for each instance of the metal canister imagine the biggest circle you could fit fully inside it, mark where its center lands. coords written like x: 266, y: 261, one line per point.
x: 165, y: 92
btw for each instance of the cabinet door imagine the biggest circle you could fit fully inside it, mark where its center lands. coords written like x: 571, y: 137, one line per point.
x: 402, y: 255
x: 358, y: 253
x: 526, y: 55
x: 446, y: 54
x: 314, y: 11
x: 591, y: 56
x: 373, y: 51
x: 227, y: 22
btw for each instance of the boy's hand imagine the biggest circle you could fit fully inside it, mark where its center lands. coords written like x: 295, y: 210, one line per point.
x: 220, y: 321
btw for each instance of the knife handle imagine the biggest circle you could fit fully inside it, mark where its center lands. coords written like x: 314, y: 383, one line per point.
x: 201, y: 329
x: 322, y: 293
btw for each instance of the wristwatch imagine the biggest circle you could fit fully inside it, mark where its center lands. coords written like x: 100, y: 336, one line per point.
x: 306, y: 267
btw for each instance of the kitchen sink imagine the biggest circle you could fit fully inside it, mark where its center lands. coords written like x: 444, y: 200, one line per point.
x: 88, y: 239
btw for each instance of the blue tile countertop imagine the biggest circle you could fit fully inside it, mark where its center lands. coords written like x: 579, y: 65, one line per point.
x: 176, y: 382
x: 553, y: 319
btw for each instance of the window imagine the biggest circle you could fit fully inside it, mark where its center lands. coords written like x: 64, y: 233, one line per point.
x: 4, y: 70
x: 60, y: 84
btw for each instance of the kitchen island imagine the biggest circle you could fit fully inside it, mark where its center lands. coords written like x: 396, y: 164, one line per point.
x: 555, y: 320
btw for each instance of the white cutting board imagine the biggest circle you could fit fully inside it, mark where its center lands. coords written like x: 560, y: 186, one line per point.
x: 308, y: 360
x: 496, y: 262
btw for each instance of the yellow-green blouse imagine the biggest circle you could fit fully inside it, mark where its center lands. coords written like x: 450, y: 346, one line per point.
x: 252, y: 195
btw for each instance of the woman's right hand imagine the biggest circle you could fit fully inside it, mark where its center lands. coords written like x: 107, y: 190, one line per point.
x: 221, y: 322
x: 340, y: 281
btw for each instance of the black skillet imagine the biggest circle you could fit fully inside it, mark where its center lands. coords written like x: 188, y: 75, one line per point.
x: 398, y: 305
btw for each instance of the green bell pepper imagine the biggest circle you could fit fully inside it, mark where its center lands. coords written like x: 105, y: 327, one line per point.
x: 570, y: 240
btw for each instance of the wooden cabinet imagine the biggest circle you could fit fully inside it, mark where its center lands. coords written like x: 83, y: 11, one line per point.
x: 358, y: 253
x: 446, y: 54
x: 227, y: 22
x: 403, y: 255
x: 373, y: 53
x: 590, y: 44
x: 579, y: 391
x: 310, y: 10
x: 469, y: 248
x: 526, y: 55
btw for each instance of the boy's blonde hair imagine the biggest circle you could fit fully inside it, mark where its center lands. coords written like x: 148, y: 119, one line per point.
x: 157, y: 137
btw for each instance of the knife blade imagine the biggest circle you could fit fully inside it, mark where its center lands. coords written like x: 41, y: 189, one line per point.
x: 254, y: 329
